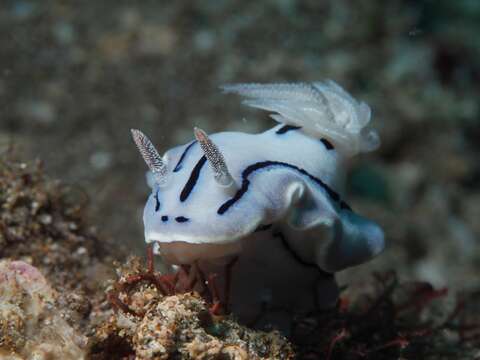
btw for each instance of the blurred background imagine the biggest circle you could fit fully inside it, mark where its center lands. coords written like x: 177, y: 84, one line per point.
x: 75, y: 76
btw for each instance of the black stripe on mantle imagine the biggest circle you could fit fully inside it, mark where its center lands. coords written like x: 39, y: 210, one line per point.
x: 298, y: 258
x: 192, y: 180
x: 179, y: 163
x: 328, y: 145
x: 286, y: 128
x: 264, y: 164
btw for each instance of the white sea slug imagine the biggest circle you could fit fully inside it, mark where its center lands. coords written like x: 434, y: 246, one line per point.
x: 271, y: 199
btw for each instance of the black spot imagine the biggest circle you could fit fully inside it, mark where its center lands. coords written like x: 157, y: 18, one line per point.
x: 192, y: 180
x: 179, y: 163
x: 260, y: 165
x: 287, y: 128
x: 328, y: 144
x: 157, y: 202
x: 181, y: 219
x: 164, y: 218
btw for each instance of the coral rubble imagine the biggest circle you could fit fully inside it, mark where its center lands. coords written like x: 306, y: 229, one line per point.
x: 53, y: 265
x: 180, y: 327
x: 31, y: 324
x: 43, y: 221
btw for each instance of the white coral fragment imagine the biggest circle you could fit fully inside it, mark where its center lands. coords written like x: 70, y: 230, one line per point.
x: 322, y: 109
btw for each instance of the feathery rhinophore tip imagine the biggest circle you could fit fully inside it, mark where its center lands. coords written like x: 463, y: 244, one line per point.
x: 150, y: 155
x: 214, y: 157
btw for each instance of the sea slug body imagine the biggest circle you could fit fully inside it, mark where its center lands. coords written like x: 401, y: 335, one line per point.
x: 273, y: 199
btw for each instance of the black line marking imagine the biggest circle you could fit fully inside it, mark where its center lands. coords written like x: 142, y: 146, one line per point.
x: 328, y: 144
x: 260, y: 165
x: 192, y: 180
x: 157, y: 202
x: 178, y: 167
x: 287, y: 128
x: 287, y: 247
x: 345, y: 206
x: 297, y: 257
x: 164, y: 218
x: 263, y: 227
x: 181, y: 219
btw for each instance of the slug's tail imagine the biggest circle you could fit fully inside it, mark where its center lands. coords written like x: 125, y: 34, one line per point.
x: 353, y: 240
x: 322, y: 109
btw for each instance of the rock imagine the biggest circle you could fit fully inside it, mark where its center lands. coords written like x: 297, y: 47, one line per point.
x: 32, y: 325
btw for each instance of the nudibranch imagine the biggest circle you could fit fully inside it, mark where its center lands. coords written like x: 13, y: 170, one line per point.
x: 271, y: 199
